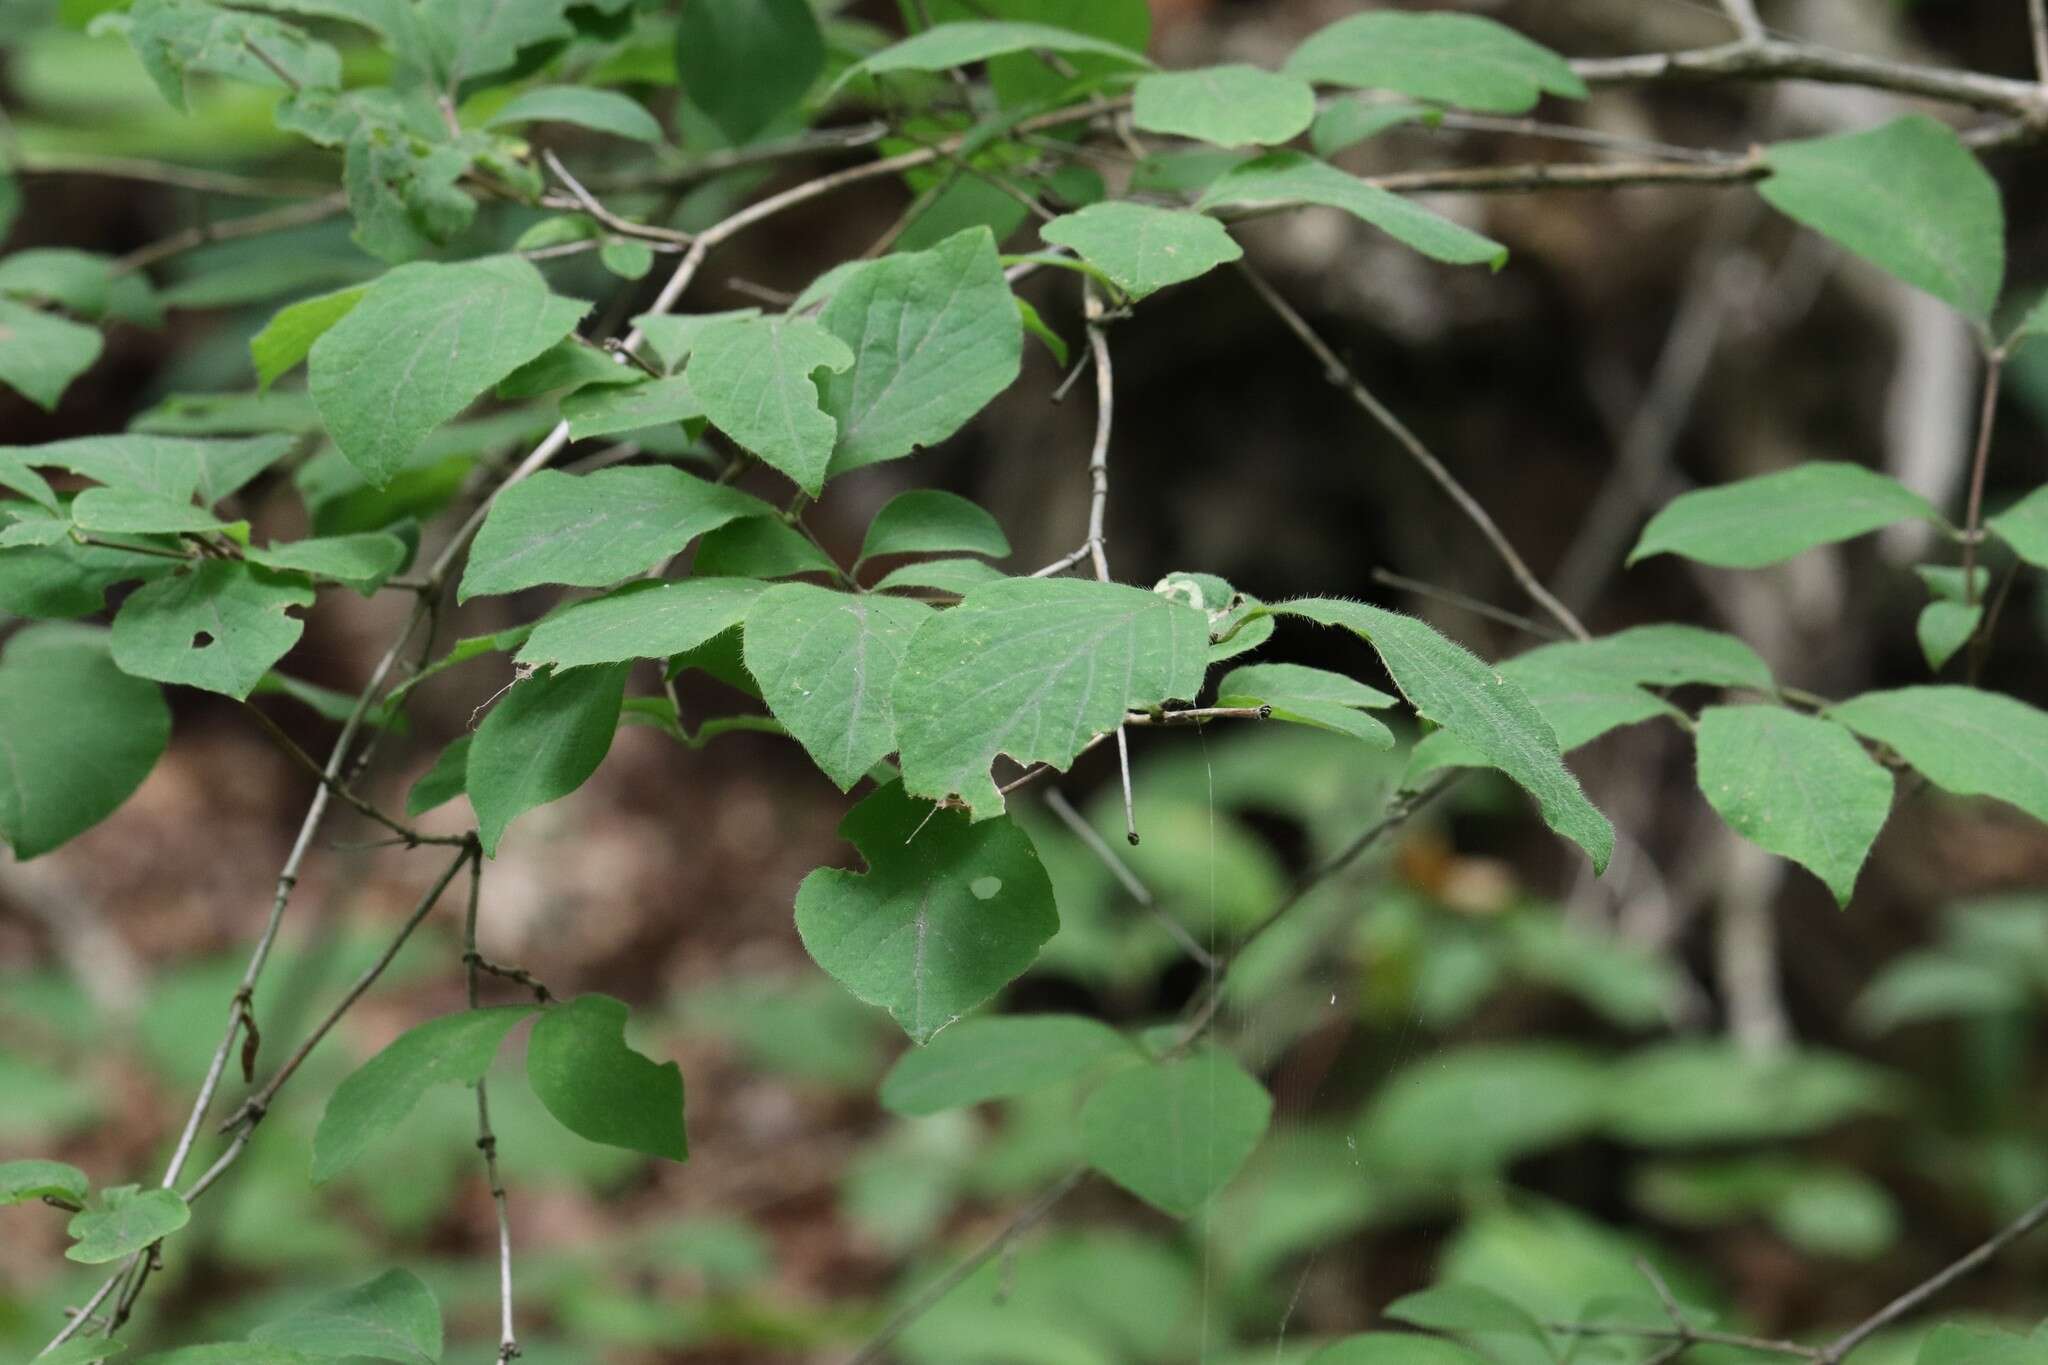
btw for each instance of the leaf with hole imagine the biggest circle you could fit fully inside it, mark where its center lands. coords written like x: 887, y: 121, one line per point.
x: 592, y: 530
x: 997, y: 1058
x: 392, y: 1317
x: 1141, y: 248
x: 599, y: 1088
x: 1772, y: 517
x: 221, y: 626
x: 1908, y: 197
x: 422, y: 344
x: 1173, y: 1133
x: 1035, y: 668
x: 948, y: 912
x: 1231, y: 106
x: 541, y: 741
x: 1797, y: 785
x: 455, y: 1049
x: 1294, y: 179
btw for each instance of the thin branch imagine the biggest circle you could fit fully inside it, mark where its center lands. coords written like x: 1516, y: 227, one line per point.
x: 1772, y: 59
x: 1119, y: 869
x: 1688, y: 1336
x: 921, y: 1303
x: 231, y: 229
x: 1905, y: 1303
x: 166, y: 173
x: 1466, y: 602
x: 1454, y: 121
x: 486, y: 1140
x: 1742, y: 14
x: 1098, y: 502
x: 821, y: 140
x: 2037, y: 20
x: 257, y: 1105
x: 1571, y: 175
x: 407, y: 835
x: 1973, y: 524
x: 589, y: 203
x: 1340, y: 374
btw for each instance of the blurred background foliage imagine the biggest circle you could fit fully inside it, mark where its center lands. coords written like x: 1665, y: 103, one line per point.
x: 1486, y: 1069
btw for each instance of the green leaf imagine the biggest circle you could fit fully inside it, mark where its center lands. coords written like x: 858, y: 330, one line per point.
x: 601, y: 411
x: 629, y: 259
x: 444, y: 781
x: 1797, y: 785
x: 361, y: 561
x: 1228, y: 105
x: 1578, y: 697
x: 948, y: 912
x: 671, y: 336
x: 1954, y: 1343
x: 1772, y: 517
x: 65, y: 579
x: 755, y: 379
x: 641, y: 621
x: 601, y: 1089
x: 956, y: 576
x: 421, y: 345
x: 21, y: 1181
x: 173, y: 466
x: 220, y: 627
x: 570, y: 363
x: 1915, y: 987
x: 1665, y: 656
x: 541, y: 742
x: 1309, y: 696
x: 998, y: 1058
x: 1473, y: 1110
x: 943, y: 46
x: 135, y: 511
x: 1345, y: 123
x: 18, y: 477
x: 1682, y: 1094
x: 761, y: 547
x: 393, y: 1317
x: 1055, y: 344
x: 1945, y: 627
x: 177, y: 39
x: 1460, y: 59
x: 1394, y: 1348
x: 2024, y: 526
x: 290, y: 334
x: 602, y: 111
x: 123, y: 1220
x: 468, y: 40
x: 455, y: 1049
x: 934, y: 337
x: 1035, y: 668
x: 84, y: 283
x: 231, y: 1353
x: 925, y: 520
x: 1294, y: 179
x: 1447, y: 685
x: 1141, y: 248
x: 1966, y: 741
x: 1468, y: 1310
x: 1908, y: 197
x: 1174, y: 1133
x: 40, y: 353
x: 745, y: 63
x: 404, y: 191
x: 826, y: 662
x: 592, y: 530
